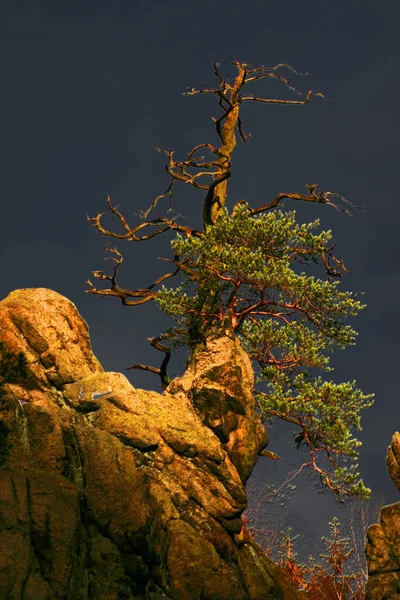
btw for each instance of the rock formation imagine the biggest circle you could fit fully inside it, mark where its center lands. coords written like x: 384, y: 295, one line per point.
x: 383, y: 540
x: 111, y: 492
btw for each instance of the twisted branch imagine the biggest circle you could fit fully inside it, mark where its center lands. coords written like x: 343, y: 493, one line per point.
x: 130, y: 234
x: 162, y: 370
x: 144, y: 294
x: 317, y: 194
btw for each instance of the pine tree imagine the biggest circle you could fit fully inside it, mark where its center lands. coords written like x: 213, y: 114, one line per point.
x: 240, y: 267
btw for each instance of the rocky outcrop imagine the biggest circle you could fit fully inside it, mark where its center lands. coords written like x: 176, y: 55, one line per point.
x: 111, y: 492
x: 383, y: 540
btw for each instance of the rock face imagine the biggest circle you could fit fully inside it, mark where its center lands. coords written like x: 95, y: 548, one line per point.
x: 110, y: 492
x: 383, y: 540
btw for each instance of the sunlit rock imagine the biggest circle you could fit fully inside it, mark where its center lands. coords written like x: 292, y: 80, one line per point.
x: 108, y: 491
x: 383, y: 540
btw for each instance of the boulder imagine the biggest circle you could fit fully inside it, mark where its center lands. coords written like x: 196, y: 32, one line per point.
x: 382, y: 549
x: 112, y: 492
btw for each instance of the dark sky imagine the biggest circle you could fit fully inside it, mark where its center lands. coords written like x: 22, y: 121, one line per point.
x: 90, y: 88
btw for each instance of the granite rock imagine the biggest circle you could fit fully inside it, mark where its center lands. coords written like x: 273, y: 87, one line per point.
x: 112, y: 492
x: 382, y: 549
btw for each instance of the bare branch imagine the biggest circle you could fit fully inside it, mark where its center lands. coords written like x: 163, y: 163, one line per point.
x: 317, y: 195
x: 218, y: 74
x: 279, y: 66
x: 310, y: 94
x: 209, y: 146
x: 168, y: 192
x: 333, y: 271
x: 131, y: 233
x: 144, y: 294
x: 162, y: 370
x: 240, y: 128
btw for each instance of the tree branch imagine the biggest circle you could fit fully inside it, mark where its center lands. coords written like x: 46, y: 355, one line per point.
x: 162, y: 370
x: 131, y: 233
x: 313, y: 447
x: 143, y: 293
x: 310, y: 94
x: 317, y: 194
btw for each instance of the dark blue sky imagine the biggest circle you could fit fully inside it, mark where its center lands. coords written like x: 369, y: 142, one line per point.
x: 89, y: 89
